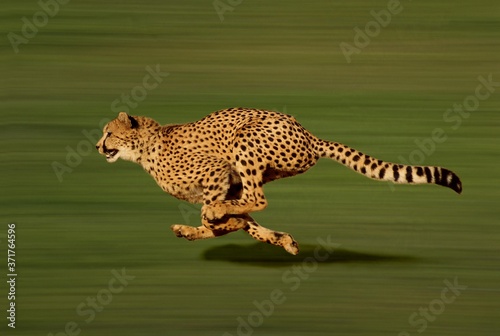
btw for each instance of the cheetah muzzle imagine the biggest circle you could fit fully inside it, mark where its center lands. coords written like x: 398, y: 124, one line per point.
x: 110, y: 154
x: 223, y: 161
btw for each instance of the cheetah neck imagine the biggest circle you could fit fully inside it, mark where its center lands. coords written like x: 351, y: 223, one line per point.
x: 147, y: 140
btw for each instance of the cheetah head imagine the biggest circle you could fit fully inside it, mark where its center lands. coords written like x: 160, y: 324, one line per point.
x: 121, y: 138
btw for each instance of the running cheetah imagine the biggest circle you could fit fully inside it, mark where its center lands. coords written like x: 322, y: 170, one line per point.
x: 224, y: 160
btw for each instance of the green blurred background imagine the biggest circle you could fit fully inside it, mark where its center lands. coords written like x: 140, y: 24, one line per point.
x: 393, y: 247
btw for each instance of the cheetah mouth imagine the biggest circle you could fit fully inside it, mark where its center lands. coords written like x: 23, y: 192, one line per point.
x: 111, y: 155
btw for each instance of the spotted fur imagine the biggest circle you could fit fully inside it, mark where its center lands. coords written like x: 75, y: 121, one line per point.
x: 223, y: 160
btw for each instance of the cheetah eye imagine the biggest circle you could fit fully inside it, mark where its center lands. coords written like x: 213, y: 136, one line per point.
x: 109, y: 133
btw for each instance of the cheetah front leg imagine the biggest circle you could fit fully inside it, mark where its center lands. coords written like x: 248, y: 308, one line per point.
x: 193, y: 233
x: 208, y: 229
x: 234, y: 223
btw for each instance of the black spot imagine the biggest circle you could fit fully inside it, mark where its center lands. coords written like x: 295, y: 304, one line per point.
x: 409, y: 174
x: 374, y: 166
x: 444, y: 177
x: 428, y: 174
x: 456, y: 184
x: 437, y: 176
x: 381, y: 173
x: 348, y: 153
x: 278, y: 235
x: 420, y: 171
x: 395, y: 172
x: 363, y: 170
x: 355, y: 158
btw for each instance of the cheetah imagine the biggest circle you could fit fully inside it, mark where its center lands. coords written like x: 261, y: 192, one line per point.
x: 223, y: 161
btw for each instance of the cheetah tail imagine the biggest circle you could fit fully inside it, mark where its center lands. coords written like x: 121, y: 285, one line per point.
x: 387, y: 171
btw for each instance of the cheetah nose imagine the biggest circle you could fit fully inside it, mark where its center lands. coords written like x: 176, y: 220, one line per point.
x: 97, y: 146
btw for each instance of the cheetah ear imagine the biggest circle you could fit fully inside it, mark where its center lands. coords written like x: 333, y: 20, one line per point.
x: 128, y: 120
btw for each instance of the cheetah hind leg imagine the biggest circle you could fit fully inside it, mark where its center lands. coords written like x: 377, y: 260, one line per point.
x: 266, y: 235
x: 235, y: 223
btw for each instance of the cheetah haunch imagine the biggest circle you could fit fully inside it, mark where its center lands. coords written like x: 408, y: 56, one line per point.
x: 224, y: 160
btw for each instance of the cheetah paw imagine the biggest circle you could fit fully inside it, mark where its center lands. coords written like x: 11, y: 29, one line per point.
x: 289, y: 244
x: 183, y: 231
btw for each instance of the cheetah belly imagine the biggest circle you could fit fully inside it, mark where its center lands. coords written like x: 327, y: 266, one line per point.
x: 191, y: 193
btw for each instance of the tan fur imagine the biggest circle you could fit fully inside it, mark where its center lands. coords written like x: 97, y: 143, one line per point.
x: 223, y: 160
